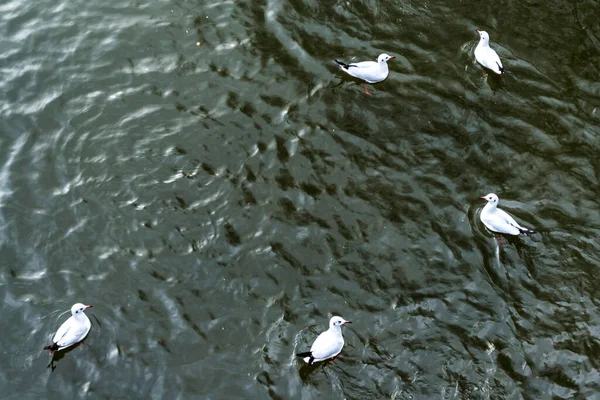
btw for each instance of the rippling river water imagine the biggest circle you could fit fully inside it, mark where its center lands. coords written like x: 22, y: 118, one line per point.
x: 205, y: 177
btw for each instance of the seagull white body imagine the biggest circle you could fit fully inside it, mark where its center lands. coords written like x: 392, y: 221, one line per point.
x: 486, y: 56
x: 328, y: 344
x: 368, y: 71
x: 498, y: 220
x: 73, y: 330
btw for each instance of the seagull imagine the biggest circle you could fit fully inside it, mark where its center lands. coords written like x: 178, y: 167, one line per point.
x: 73, y: 330
x: 486, y: 56
x: 369, y: 71
x: 499, y: 221
x: 328, y: 344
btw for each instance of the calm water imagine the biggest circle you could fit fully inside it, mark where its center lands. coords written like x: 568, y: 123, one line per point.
x: 200, y: 173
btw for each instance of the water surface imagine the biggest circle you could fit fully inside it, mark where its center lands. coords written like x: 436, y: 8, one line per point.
x: 204, y: 176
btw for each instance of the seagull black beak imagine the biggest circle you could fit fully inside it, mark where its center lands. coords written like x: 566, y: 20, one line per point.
x: 88, y: 306
x: 347, y: 322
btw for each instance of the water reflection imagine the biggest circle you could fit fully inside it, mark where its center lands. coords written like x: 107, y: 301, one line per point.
x: 212, y: 199
x: 59, y: 355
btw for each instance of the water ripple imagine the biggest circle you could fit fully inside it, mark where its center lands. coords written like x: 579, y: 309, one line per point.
x: 206, y: 177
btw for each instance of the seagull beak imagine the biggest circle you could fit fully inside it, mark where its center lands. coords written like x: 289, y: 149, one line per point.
x: 392, y: 57
x: 483, y: 198
x: 477, y: 30
x: 88, y: 306
x: 347, y: 322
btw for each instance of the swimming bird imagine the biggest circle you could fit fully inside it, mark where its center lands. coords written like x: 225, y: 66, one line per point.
x: 328, y: 344
x: 498, y: 220
x: 73, y: 330
x: 486, y: 56
x: 369, y: 71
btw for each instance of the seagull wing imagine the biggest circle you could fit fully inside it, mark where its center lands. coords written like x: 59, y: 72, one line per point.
x: 369, y: 71
x: 62, y: 331
x: 489, y: 59
x: 327, y: 345
x: 363, y: 65
x: 499, y: 221
x: 511, y: 221
x: 71, y: 332
x: 495, y: 59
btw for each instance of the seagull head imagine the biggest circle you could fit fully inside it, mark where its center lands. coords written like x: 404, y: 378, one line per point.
x: 490, y: 198
x: 337, y: 322
x: 484, y: 36
x: 78, y: 309
x: 384, y: 58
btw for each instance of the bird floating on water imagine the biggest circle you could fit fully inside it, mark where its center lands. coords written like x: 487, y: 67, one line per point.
x: 328, y: 344
x: 368, y: 71
x: 486, y: 56
x: 73, y: 330
x: 498, y: 220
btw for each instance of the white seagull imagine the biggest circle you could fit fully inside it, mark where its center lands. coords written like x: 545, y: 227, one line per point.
x: 368, y: 71
x: 72, y: 331
x: 499, y: 221
x: 486, y: 56
x: 328, y: 344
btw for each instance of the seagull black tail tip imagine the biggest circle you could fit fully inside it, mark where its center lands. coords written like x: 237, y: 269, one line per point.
x: 342, y: 64
x: 52, y: 347
x: 502, y: 70
x: 308, y: 354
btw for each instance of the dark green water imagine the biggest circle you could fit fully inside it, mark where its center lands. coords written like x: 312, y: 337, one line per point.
x: 217, y: 202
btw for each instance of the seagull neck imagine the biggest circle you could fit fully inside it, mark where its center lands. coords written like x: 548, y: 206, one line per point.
x: 79, y: 316
x: 484, y: 43
x: 335, y: 329
x: 491, y: 206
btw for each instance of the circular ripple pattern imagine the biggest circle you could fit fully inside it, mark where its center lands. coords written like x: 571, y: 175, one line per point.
x: 204, y: 176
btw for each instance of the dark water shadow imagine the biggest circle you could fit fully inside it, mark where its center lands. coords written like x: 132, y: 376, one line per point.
x: 344, y: 80
x: 494, y: 81
x: 349, y: 79
x: 60, y: 354
x: 307, y: 371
